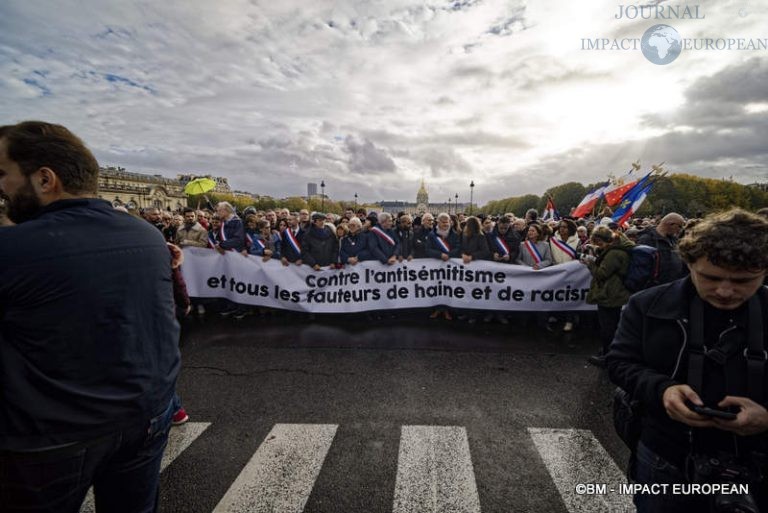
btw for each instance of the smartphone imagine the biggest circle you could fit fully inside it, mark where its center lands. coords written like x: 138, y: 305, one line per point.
x: 710, y: 412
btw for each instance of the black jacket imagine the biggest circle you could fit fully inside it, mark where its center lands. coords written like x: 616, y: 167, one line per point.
x: 88, y: 336
x: 671, y: 266
x: 420, y: 235
x: 476, y: 247
x: 380, y: 248
x: 319, y: 248
x: 511, y: 238
x: 286, y: 247
x: 407, y: 240
x: 649, y: 353
x: 435, y: 250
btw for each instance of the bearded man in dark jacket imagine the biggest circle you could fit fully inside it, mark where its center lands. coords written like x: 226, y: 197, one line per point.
x: 88, y: 336
x: 700, y: 341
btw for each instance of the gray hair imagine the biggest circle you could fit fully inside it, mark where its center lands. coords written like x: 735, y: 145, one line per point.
x: 443, y: 215
x: 356, y: 221
x: 385, y: 216
x: 226, y: 205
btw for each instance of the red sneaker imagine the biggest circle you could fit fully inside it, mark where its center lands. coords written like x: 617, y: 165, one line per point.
x: 180, y: 417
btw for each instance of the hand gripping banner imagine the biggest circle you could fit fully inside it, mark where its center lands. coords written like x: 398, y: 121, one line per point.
x: 420, y: 283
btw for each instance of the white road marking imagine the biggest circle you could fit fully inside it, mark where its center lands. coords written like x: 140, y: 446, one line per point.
x: 282, y: 472
x: 434, y: 471
x: 179, y: 439
x: 573, y: 457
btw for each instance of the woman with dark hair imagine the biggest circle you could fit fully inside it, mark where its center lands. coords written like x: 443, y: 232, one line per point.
x: 474, y: 246
x: 535, y: 252
x: 607, y: 289
x: 564, y: 242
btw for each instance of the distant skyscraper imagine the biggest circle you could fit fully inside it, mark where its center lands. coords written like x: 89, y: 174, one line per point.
x: 311, y: 189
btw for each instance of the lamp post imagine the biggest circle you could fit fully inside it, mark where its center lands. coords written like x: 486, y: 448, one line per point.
x: 355, y: 203
x: 322, y: 195
x: 456, y: 204
x: 471, y: 191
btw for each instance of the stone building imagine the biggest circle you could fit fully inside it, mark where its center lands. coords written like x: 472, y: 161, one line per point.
x: 138, y: 190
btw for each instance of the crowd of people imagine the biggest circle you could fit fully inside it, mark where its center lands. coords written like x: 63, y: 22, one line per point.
x: 90, y: 300
x: 328, y: 241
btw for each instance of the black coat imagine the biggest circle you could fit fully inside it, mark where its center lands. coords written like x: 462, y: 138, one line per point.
x: 420, y: 235
x: 649, y: 353
x: 407, y: 240
x: 476, y: 247
x: 319, y: 250
x: 671, y: 266
x: 513, y: 240
x: 286, y: 248
x: 88, y: 334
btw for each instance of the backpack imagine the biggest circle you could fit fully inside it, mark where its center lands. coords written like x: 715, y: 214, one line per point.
x: 643, y: 269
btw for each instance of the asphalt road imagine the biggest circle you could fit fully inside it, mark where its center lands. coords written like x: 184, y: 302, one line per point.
x: 369, y: 415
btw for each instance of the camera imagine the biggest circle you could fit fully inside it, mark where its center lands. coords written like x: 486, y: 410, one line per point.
x: 725, y: 468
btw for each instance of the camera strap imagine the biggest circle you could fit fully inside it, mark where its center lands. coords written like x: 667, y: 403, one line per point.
x: 755, y: 353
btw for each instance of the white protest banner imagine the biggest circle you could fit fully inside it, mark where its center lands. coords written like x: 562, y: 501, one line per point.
x: 419, y: 283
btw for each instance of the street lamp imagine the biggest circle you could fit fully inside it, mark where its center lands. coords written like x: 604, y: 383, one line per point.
x: 449, y: 205
x: 471, y: 190
x: 355, y: 202
x: 456, y: 204
x: 322, y: 195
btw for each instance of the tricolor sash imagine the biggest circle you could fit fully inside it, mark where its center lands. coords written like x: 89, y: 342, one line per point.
x: 443, y: 244
x: 248, y: 240
x: 386, y: 238
x: 222, y: 235
x: 211, y: 241
x: 502, y: 246
x: 564, y: 247
x: 292, y: 241
x: 260, y: 244
x: 533, y: 251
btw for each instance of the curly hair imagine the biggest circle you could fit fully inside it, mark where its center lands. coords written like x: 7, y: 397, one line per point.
x: 735, y: 239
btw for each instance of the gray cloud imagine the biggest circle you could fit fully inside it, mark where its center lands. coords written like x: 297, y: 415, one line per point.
x: 365, y: 158
x: 370, y: 96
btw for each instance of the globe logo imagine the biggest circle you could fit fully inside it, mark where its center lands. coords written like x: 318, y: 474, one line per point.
x: 661, y: 44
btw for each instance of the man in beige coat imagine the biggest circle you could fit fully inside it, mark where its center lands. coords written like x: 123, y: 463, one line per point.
x: 191, y: 233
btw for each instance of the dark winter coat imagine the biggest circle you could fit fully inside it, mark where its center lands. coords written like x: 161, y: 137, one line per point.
x: 671, y: 266
x: 649, y: 353
x: 319, y: 247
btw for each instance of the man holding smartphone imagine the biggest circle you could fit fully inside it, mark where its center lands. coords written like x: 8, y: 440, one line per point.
x: 692, y: 352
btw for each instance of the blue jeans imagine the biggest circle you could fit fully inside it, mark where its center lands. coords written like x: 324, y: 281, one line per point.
x: 650, y: 468
x: 123, y: 467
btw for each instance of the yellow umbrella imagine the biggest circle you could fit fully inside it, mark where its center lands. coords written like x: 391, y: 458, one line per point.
x: 199, y: 186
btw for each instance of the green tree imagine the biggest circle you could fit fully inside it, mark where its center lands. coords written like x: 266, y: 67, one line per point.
x: 565, y: 196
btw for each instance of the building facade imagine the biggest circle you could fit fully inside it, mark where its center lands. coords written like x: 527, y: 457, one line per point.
x: 138, y: 190
x: 422, y: 205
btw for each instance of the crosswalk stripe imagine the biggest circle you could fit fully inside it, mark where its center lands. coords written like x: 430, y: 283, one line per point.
x: 434, y: 471
x: 179, y: 439
x: 575, y: 456
x: 282, y: 472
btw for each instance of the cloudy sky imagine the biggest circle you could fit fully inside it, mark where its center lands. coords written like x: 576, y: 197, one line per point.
x: 371, y: 96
